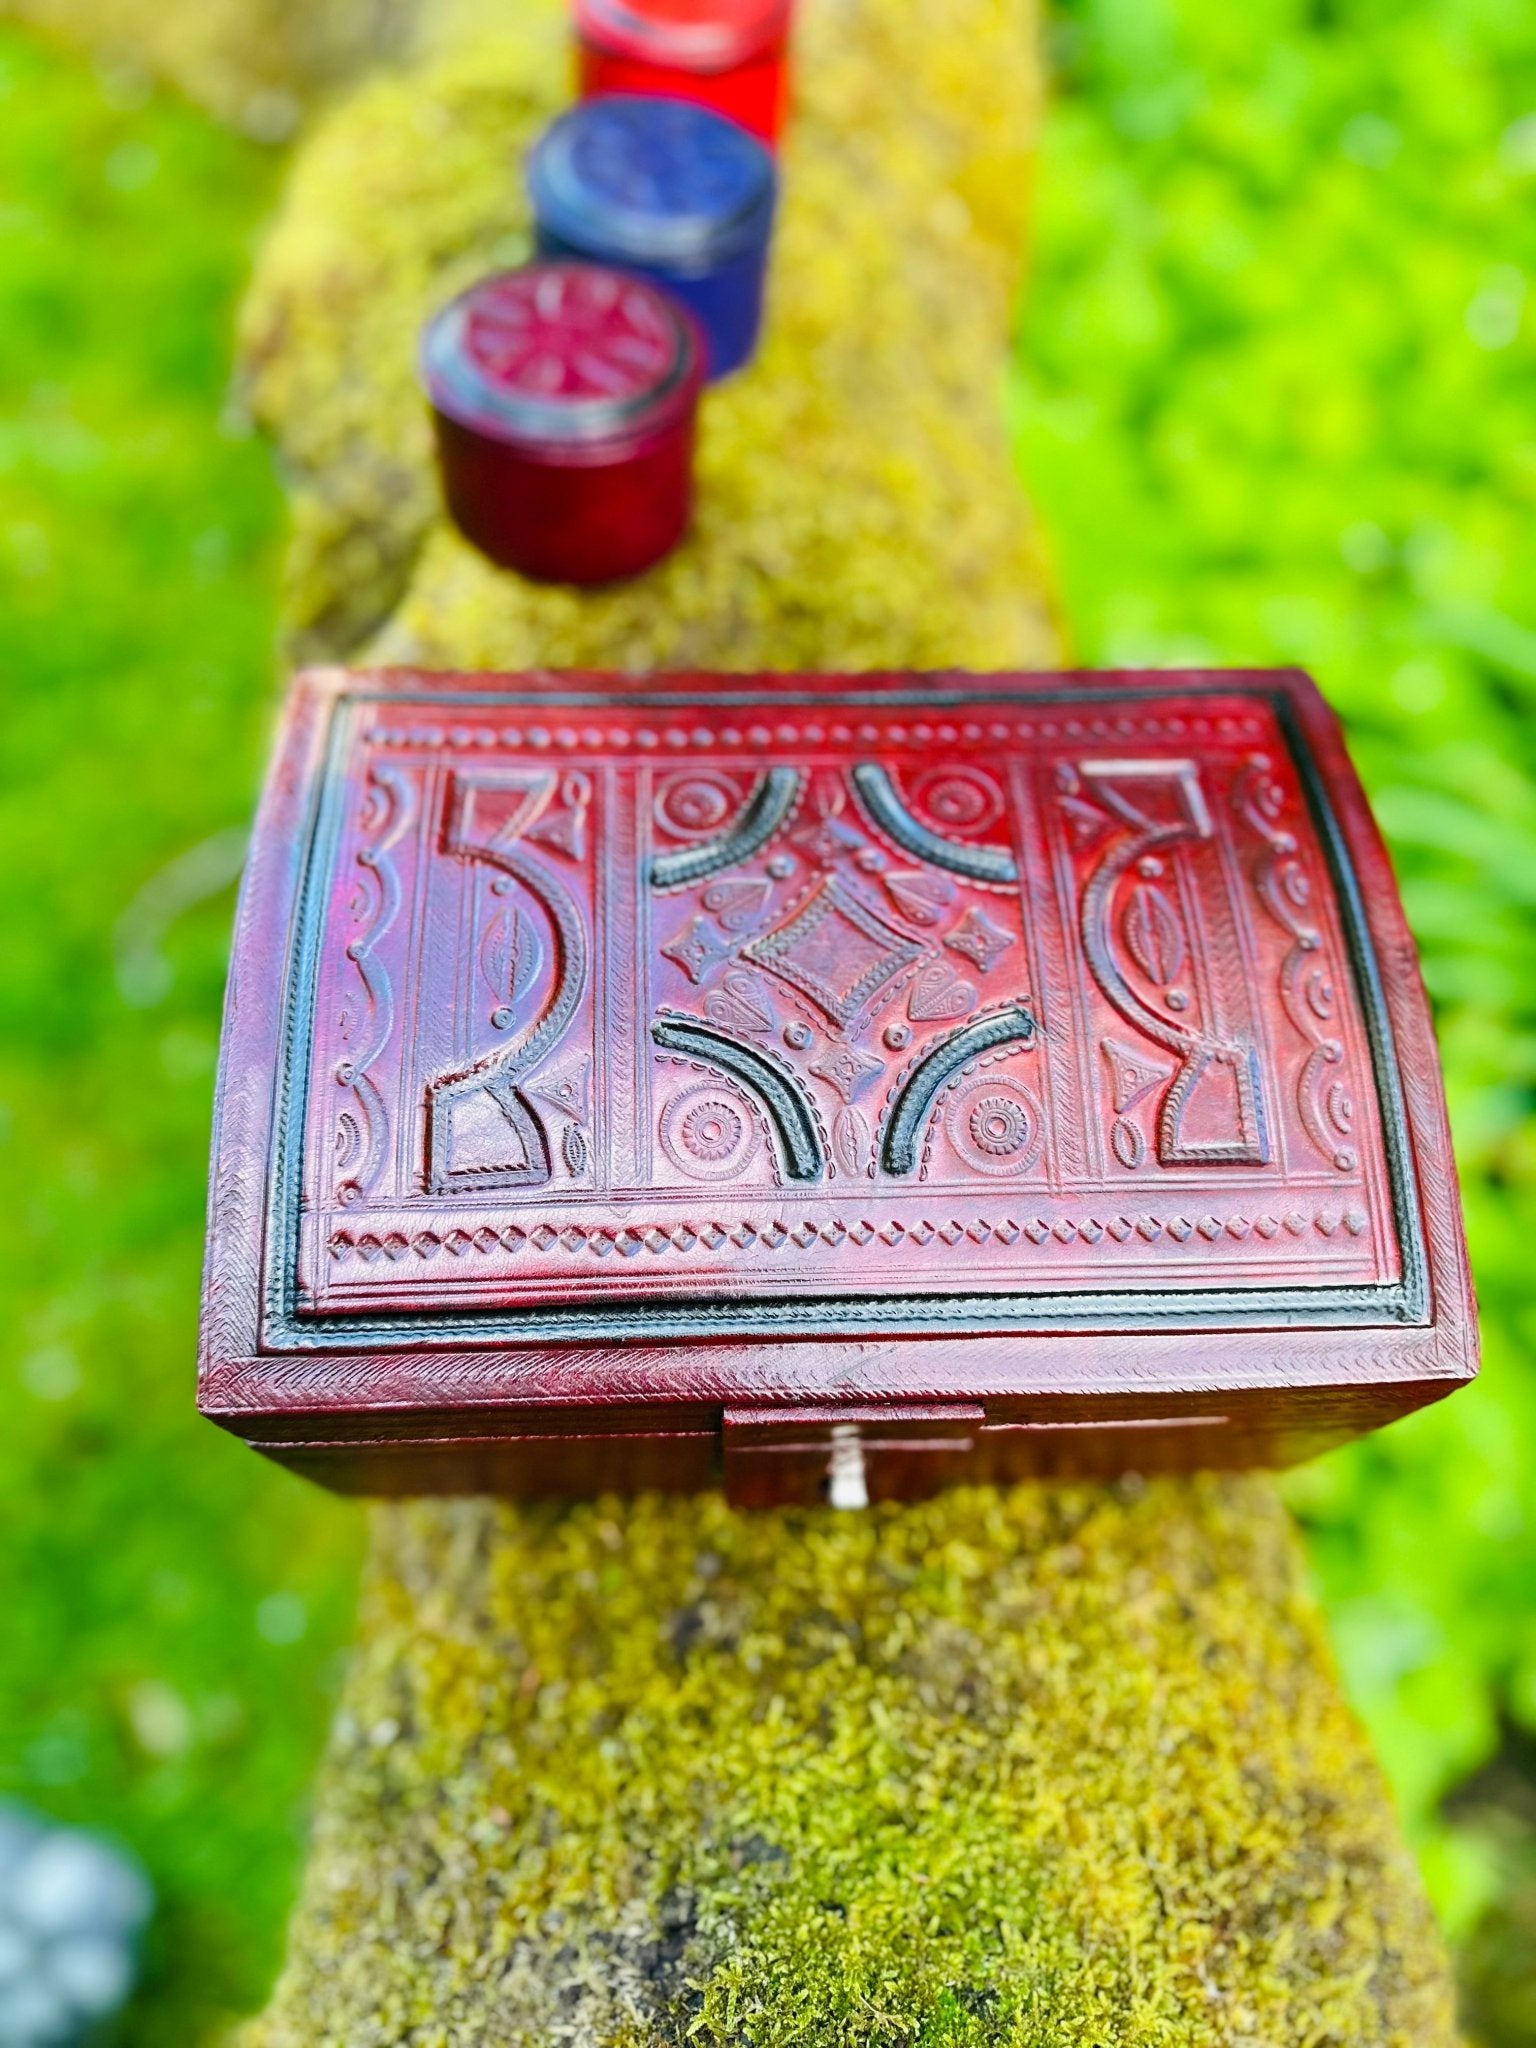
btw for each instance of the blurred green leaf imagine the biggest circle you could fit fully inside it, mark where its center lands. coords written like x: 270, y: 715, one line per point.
x: 144, y: 1685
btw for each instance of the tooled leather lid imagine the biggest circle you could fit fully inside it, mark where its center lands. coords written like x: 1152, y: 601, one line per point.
x: 562, y: 353
x: 739, y: 997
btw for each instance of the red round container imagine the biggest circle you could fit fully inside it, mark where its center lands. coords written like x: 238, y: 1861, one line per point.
x: 728, y: 54
x: 564, y: 397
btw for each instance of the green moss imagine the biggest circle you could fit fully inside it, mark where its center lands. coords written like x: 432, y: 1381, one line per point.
x: 1059, y: 1765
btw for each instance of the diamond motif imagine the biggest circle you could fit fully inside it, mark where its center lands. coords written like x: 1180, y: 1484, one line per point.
x: 698, y: 949
x: 846, y: 1068
x: 979, y: 939
x: 836, y: 951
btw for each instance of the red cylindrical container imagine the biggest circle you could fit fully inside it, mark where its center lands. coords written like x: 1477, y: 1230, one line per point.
x: 729, y: 54
x: 564, y: 397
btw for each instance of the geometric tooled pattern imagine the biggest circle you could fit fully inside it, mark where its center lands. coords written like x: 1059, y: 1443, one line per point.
x: 979, y: 939
x: 920, y: 1088
x: 1141, y: 1048
x: 708, y: 1133
x: 883, y: 805
x: 994, y: 1124
x: 836, y: 950
x: 776, y: 1087
x: 697, y: 949
x: 765, y: 810
x: 1198, y: 1232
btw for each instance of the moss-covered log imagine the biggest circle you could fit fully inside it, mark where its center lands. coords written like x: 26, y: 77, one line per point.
x: 1063, y: 1765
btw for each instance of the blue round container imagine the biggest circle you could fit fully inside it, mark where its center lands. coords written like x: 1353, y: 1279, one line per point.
x: 668, y: 190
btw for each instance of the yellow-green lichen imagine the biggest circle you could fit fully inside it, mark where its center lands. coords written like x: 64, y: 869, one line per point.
x: 1060, y: 1765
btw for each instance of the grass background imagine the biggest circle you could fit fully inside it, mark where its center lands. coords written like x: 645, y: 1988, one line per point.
x: 1273, y: 399
x: 171, y: 1607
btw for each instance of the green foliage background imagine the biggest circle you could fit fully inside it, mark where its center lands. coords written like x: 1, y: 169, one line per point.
x: 1273, y: 400
x: 171, y: 1608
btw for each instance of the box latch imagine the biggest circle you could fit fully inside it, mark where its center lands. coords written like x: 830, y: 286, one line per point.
x: 845, y: 1456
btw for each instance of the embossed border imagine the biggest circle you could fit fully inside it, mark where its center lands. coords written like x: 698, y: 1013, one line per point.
x: 340, y: 697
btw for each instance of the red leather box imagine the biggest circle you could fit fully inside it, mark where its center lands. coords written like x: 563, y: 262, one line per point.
x: 831, y: 1085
